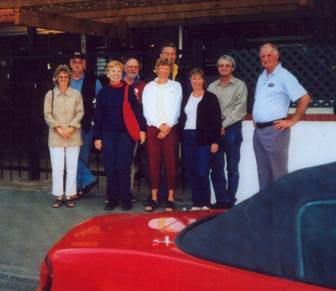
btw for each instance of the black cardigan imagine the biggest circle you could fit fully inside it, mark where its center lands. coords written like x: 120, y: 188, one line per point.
x: 88, y: 94
x: 208, y: 120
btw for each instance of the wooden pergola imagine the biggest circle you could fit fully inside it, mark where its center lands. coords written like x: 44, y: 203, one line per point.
x: 110, y: 17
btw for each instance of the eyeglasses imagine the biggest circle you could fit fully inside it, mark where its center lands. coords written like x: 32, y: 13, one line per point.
x: 224, y: 66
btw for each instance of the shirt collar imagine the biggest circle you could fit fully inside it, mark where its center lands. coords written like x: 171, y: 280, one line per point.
x: 277, y: 68
x: 80, y: 79
x: 232, y: 81
x: 136, y: 80
x: 58, y: 92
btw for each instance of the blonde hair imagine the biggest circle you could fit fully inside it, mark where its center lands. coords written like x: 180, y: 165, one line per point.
x: 162, y: 62
x: 61, y: 69
x: 114, y: 63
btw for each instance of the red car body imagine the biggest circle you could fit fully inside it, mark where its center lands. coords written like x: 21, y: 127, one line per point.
x: 130, y: 252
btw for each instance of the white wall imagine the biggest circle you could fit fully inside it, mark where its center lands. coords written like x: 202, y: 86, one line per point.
x: 312, y: 143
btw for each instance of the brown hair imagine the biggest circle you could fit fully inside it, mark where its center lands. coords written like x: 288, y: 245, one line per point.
x: 168, y: 44
x: 197, y: 71
x: 61, y: 69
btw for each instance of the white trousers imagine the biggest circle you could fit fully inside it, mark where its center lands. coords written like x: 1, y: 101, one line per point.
x: 58, y: 155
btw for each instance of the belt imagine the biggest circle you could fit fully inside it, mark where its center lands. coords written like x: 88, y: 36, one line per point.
x: 267, y: 124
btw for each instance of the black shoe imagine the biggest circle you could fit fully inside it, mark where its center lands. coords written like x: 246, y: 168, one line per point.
x: 110, y: 205
x: 126, y: 206
x: 86, y: 189
x: 222, y: 205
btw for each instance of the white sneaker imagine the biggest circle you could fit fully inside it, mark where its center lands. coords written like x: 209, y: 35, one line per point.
x: 195, y: 208
x: 205, y: 208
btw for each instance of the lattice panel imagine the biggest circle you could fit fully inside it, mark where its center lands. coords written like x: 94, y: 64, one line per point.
x: 315, y: 67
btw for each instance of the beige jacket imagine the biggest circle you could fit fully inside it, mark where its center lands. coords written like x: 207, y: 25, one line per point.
x: 67, y: 112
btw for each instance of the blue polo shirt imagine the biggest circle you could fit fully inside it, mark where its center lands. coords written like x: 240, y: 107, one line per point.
x: 78, y: 84
x: 274, y: 93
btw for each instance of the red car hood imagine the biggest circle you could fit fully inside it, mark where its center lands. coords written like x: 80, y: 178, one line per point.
x: 119, y: 245
x: 136, y: 232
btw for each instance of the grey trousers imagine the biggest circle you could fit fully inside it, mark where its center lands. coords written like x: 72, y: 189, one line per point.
x: 271, y: 151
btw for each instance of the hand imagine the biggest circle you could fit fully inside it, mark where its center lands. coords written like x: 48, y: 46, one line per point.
x: 164, y: 128
x: 161, y: 135
x: 214, y: 148
x: 283, y: 124
x: 142, y: 137
x: 98, y: 144
x: 60, y: 131
x: 222, y: 131
x: 69, y: 132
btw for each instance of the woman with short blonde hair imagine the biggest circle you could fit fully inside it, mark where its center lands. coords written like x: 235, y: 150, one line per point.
x: 118, y: 123
x: 161, y: 101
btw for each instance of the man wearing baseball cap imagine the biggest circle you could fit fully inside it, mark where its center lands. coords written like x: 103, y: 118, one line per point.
x: 89, y: 87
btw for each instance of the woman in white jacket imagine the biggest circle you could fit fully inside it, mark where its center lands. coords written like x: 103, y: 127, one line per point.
x: 161, y: 105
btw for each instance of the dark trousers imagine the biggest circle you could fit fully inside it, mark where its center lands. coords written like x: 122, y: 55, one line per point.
x: 158, y: 150
x: 196, y: 160
x: 118, y: 156
x: 271, y: 150
x: 229, y: 150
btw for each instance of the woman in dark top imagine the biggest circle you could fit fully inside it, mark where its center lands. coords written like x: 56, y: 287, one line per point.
x: 118, y: 123
x: 200, y: 123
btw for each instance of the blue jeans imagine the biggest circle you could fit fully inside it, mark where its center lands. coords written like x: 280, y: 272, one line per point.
x: 84, y: 175
x: 197, y: 165
x: 118, y: 156
x: 229, y: 149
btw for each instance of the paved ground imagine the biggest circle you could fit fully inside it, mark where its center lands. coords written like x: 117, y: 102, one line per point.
x: 29, y: 227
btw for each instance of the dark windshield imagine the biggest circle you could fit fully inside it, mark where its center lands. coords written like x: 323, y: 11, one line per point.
x: 287, y: 230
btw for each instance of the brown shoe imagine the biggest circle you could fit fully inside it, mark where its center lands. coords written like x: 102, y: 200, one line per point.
x: 58, y: 202
x: 69, y: 202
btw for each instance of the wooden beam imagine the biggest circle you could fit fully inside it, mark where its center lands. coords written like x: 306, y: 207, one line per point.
x: 227, y: 19
x: 180, y: 15
x: 7, y: 16
x: 63, y: 23
x: 172, y: 8
x: 25, y: 3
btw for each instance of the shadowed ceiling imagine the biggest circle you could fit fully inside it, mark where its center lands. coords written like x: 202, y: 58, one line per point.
x: 109, y: 17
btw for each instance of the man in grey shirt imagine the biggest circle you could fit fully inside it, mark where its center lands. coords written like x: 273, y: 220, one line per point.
x: 232, y: 95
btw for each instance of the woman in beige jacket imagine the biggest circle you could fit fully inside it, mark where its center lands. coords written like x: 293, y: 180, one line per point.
x: 63, y: 111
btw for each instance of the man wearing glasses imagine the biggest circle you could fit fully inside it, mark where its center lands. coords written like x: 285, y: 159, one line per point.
x: 232, y: 95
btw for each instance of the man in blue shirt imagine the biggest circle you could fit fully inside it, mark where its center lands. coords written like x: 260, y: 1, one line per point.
x: 276, y: 88
x: 89, y: 87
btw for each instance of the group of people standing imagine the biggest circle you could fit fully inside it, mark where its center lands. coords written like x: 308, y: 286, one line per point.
x: 170, y: 108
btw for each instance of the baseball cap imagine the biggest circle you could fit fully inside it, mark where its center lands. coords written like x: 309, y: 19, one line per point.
x: 77, y: 55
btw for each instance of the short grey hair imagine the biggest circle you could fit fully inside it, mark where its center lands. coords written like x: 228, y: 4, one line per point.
x: 273, y: 46
x: 132, y: 59
x: 227, y: 58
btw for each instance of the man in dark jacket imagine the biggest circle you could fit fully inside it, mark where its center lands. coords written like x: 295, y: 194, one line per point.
x: 89, y: 87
